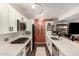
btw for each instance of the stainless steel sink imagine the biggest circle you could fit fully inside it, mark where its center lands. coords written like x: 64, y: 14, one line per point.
x: 19, y: 41
x: 54, y: 38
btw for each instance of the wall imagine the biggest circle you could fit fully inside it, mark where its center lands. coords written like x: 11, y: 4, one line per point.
x: 69, y: 13
x: 75, y: 20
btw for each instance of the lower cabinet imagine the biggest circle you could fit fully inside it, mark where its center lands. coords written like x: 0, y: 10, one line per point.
x: 49, y: 45
x: 61, y: 53
x: 22, y: 52
x: 55, y: 50
x: 26, y: 50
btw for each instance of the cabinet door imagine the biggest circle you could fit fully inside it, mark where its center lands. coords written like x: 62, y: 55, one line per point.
x: 55, y: 50
x: 12, y: 20
x: 50, y: 47
x: 22, y: 52
x: 3, y: 18
x: 61, y: 54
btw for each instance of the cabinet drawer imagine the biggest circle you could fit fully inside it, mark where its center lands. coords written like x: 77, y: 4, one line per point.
x: 61, y: 53
x: 55, y: 50
x: 28, y: 48
x: 28, y: 45
x: 22, y: 52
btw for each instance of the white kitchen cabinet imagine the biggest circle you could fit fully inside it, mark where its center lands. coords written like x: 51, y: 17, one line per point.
x: 8, y: 18
x: 4, y: 18
x: 22, y: 52
x: 12, y: 20
x: 19, y: 16
x: 26, y: 50
x: 55, y: 50
x: 61, y: 53
x: 49, y: 45
x: 14, y: 15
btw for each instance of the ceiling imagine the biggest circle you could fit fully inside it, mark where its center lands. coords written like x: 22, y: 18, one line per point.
x: 52, y: 10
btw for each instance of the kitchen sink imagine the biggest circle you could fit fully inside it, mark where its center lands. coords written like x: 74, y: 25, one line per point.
x: 54, y: 38
x: 19, y: 41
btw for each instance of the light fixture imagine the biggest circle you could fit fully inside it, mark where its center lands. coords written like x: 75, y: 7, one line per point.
x: 33, y: 6
x: 40, y: 9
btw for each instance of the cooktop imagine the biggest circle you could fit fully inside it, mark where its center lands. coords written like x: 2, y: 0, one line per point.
x: 19, y: 41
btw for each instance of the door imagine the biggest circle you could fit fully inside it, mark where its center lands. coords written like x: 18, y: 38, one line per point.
x: 39, y: 31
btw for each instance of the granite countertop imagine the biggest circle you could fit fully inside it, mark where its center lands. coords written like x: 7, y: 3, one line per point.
x: 13, y: 49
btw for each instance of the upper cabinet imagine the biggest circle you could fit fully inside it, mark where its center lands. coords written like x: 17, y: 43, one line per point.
x: 12, y: 20
x: 14, y: 15
x: 8, y: 19
x: 4, y: 19
x: 21, y: 21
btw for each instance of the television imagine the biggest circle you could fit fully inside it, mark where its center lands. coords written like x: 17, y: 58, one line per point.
x: 74, y: 28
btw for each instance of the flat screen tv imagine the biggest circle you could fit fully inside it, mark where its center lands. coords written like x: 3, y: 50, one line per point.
x: 74, y: 28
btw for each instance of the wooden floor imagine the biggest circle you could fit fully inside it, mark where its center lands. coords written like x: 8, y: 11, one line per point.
x: 40, y: 45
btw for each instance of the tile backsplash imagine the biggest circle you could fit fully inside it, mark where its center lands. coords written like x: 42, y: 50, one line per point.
x: 9, y: 36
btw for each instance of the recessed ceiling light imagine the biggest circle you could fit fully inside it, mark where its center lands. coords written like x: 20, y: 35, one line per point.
x: 33, y: 6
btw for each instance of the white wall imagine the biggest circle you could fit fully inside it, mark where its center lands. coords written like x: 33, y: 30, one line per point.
x: 75, y: 20
x: 69, y: 13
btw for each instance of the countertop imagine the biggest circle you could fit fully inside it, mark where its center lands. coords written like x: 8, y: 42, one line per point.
x: 69, y: 48
x: 12, y: 49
